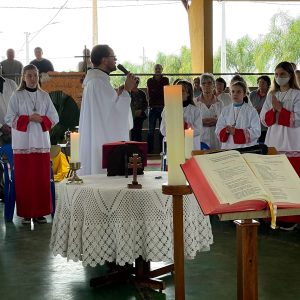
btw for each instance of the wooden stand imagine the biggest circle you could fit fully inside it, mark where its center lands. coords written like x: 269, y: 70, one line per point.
x: 140, y: 274
x: 246, y: 233
x: 177, y: 192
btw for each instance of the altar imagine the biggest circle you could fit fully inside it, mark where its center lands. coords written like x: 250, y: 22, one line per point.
x: 102, y: 221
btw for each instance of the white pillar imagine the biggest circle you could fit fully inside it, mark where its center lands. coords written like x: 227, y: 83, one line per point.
x: 223, y: 40
x: 27, y: 34
x: 95, y: 23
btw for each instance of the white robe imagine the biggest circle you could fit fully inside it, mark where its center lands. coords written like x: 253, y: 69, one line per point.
x: 192, y: 116
x: 225, y: 98
x: 22, y: 103
x: 9, y: 86
x: 105, y: 117
x: 247, y: 118
x: 284, y: 138
x: 208, y: 135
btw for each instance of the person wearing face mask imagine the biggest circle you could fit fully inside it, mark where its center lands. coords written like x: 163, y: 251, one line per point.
x: 281, y: 110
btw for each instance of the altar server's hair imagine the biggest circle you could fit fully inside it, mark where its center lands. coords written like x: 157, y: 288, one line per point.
x: 285, y: 65
x: 241, y: 84
x: 189, y: 88
x: 22, y: 85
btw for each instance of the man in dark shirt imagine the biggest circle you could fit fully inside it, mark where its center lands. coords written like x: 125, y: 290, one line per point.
x: 44, y: 65
x: 155, y: 87
x: 138, y: 106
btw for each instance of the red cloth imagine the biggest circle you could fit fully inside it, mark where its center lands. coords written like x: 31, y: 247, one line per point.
x: 22, y: 123
x: 239, y: 136
x: 224, y: 135
x: 32, y: 183
x: 295, y: 162
x: 270, y: 117
x: 107, y: 148
x: 186, y: 125
x: 46, y: 123
x: 284, y: 117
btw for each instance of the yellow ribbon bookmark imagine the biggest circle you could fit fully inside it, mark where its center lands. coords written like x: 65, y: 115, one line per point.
x: 273, y: 212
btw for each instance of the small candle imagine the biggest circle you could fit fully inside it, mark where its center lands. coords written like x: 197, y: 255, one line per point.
x: 175, y: 134
x: 74, y: 147
x: 188, y: 142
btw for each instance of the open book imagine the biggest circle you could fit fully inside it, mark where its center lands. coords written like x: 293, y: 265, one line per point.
x: 232, y: 182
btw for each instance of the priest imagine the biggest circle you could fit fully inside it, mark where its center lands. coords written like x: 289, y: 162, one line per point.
x: 105, y: 114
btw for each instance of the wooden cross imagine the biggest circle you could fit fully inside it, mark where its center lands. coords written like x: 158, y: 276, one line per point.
x: 85, y: 57
x: 135, y: 162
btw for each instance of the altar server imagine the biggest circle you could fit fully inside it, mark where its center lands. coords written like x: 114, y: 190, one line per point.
x: 105, y: 114
x: 31, y: 114
x: 238, y: 125
x: 281, y: 110
x: 191, y: 113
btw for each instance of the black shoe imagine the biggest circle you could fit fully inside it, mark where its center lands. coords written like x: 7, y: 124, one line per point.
x: 26, y: 221
x: 40, y: 220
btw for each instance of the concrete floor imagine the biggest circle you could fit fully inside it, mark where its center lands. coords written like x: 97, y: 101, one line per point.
x: 28, y: 270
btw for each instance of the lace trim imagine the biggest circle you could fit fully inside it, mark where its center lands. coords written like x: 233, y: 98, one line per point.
x: 290, y: 153
x: 31, y: 150
x: 292, y: 120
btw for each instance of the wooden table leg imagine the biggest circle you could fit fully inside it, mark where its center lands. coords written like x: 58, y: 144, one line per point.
x: 116, y: 274
x: 246, y: 259
x: 178, y: 247
x: 143, y: 275
x: 140, y: 274
x: 177, y: 192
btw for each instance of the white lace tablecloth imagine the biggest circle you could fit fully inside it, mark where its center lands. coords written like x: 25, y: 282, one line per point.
x: 102, y: 220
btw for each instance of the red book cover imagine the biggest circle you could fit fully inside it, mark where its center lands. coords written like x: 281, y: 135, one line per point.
x: 207, y: 198
x: 276, y: 173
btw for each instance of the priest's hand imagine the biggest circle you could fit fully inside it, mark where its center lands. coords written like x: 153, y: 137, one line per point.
x: 277, y: 105
x: 35, y: 118
x: 130, y: 82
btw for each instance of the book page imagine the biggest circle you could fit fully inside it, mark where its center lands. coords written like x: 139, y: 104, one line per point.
x: 277, y: 176
x: 230, y: 177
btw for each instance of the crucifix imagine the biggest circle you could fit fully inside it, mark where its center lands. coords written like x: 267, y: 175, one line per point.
x: 135, y: 162
x: 85, y: 56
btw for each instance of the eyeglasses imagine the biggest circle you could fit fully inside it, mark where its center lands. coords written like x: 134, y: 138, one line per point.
x: 114, y: 57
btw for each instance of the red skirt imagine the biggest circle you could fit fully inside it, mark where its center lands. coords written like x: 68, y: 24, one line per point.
x: 32, y: 182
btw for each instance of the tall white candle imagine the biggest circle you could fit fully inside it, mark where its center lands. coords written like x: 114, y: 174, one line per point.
x: 188, y: 142
x: 175, y: 135
x: 74, y: 147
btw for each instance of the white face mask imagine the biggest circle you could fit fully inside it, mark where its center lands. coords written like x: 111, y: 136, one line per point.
x: 282, y: 80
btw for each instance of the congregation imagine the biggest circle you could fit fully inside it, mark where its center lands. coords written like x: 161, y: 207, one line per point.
x: 221, y: 117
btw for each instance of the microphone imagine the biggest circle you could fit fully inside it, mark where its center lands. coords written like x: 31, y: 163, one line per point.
x: 122, y: 69
x: 125, y: 71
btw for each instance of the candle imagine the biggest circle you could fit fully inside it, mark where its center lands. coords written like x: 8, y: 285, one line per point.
x: 188, y: 142
x: 74, y: 147
x: 175, y: 135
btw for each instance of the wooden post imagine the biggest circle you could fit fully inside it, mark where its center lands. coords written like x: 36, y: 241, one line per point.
x: 247, y: 259
x: 177, y: 192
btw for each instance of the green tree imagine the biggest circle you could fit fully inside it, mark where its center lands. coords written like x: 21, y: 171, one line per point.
x: 280, y: 44
x: 239, y: 58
